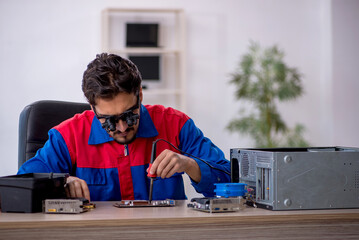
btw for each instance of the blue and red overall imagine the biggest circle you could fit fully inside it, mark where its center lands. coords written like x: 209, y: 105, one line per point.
x: 114, y: 171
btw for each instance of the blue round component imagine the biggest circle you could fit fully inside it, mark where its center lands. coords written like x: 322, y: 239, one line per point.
x: 230, y: 189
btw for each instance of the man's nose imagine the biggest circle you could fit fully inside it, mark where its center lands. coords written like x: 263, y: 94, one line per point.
x: 121, y: 126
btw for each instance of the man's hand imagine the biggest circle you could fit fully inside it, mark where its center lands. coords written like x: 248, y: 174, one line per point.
x: 169, y: 163
x: 76, y: 188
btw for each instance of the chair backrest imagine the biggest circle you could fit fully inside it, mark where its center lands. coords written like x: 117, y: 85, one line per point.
x: 37, y: 119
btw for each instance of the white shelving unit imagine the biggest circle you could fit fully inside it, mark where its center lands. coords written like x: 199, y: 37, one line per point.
x: 170, y: 90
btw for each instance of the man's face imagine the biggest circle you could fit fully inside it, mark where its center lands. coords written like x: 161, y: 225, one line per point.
x: 123, y: 102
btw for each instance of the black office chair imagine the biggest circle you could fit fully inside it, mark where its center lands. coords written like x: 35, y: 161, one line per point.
x: 37, y: 119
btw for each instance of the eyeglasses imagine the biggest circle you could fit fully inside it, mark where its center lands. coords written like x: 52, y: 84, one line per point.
x: 110, y: 121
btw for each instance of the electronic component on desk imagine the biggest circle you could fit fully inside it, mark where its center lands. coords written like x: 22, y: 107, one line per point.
x: 217, y: 204
x: 145, y: 203
x: 26, y: 192
x: 229, y: 199
x: 75, y: 205
x: 230, y: 189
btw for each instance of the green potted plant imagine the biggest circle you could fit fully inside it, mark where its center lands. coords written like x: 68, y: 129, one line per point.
x: 263, y: 79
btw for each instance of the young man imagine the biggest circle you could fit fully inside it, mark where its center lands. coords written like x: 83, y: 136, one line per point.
x: 108, y: 149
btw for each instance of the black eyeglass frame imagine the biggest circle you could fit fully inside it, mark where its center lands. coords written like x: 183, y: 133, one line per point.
x: 111, y: 120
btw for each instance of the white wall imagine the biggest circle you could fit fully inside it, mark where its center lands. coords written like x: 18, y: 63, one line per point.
x: 46, y: 45
x: 345, y: 96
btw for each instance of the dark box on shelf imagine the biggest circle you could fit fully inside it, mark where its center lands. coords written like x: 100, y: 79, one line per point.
x: 25, y: 192
x: 142, y: 34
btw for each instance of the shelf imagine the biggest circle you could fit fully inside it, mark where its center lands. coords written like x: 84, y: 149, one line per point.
x: 162, y: 91
x: 171, y: 39
x: 144, y: 51
x: 143, y: 10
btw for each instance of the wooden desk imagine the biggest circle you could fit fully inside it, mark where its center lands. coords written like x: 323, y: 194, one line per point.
x: 180, y: 222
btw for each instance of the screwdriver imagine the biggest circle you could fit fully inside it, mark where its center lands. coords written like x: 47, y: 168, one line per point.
x: 151, y: 176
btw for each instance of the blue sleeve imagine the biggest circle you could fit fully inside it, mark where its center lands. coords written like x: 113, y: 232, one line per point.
x: 53, y: 157
x: 193, y: 141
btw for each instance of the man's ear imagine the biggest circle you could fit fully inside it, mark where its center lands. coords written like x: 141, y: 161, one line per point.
x: 141, y: 94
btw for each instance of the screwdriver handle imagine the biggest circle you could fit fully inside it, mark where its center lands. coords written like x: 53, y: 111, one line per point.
x: 150, y: 175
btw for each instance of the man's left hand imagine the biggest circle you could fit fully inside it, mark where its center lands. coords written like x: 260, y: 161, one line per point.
x: 168, y: 163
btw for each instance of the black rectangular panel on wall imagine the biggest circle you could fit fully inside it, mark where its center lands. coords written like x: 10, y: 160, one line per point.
x: 142, y: 35
x: 149, y: 66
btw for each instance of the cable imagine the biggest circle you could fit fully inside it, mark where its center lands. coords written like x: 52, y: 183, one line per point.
x: 183, y: 152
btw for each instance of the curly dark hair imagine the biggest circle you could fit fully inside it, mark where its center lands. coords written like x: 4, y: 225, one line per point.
x: 108, y: 75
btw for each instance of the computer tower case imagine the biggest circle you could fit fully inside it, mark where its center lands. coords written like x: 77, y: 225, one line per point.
x: 299, y: 178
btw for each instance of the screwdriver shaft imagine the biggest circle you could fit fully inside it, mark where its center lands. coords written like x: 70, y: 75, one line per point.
x: 151, y: 190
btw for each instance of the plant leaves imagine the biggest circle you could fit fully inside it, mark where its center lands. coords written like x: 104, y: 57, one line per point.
x: 264, y: 79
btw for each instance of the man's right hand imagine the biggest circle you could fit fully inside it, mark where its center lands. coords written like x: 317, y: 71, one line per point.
x: 76, y: 188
